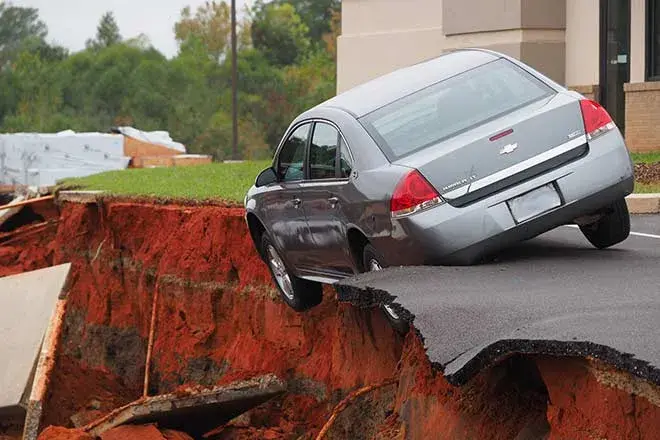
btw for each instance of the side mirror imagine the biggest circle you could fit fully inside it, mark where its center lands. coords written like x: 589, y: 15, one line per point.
x: 266, y: 177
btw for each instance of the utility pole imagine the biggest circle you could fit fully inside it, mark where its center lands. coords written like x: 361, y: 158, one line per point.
x: 234, y: 83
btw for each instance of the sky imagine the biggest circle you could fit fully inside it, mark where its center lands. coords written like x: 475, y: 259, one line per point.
x: 71, y: 22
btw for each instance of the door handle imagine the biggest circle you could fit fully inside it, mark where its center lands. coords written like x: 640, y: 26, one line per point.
x: 333, y: 201
x: 296, y: 202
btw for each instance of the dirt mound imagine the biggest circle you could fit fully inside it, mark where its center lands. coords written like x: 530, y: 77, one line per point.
x: 218, y: 320
x: 647, y: 172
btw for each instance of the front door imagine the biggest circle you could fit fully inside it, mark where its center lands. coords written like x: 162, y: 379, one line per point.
x: 614, y: 57
x: 285, y: 216
x: 324, y: 203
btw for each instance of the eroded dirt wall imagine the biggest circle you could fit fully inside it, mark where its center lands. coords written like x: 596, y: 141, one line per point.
x: 219, y: 319
x: 27, y: 239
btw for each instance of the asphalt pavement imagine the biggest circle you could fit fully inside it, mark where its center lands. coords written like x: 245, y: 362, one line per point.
x: 555, y: 295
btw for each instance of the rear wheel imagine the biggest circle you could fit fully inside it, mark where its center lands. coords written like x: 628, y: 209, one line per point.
x: 372, y: 261
x: 612, y: 228
x: 298, y: 293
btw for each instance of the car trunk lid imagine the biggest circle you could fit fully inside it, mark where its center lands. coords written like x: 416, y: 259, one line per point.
x: 505, y: 151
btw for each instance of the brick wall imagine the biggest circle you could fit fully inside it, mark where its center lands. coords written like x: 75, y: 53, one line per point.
x: 590, y: 91
x: 643, y: 116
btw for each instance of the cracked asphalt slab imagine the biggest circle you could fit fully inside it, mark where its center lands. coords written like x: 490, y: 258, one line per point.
x: 554, y: 295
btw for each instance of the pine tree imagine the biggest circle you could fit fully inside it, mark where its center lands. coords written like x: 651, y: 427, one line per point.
x: 107, y: 33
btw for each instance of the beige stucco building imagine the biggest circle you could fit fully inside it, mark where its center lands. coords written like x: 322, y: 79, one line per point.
x: 608, y: 50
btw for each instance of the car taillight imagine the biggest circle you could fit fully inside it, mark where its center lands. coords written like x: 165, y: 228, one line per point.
x: 413, y: 193
x: 596, y: 119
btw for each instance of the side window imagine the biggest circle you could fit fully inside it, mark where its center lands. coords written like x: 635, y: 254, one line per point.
x: 290, y: 164
x: 323, y: 152
x: 345, y: 162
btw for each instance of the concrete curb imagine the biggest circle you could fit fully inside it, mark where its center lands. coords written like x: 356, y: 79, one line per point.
x: 79, y: 196
x: 644, y: 203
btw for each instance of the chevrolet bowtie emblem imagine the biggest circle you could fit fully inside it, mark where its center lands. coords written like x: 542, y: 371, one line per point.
x: 508, y: 149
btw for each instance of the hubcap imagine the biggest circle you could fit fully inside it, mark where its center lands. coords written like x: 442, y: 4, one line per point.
x: 281, y: 274
x: 375, y: 266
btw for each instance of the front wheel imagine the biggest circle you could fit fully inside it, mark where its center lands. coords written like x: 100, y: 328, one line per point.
x: 612, y: 228
x: 372, y: 261
x: 298, y: 293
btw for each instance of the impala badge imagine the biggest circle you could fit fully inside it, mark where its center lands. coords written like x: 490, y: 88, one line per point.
x: 508, y: 149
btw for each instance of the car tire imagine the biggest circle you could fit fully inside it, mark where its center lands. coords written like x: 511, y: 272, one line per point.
x: 297, y: 293
x: 612, y: 228
x: 372, y: 261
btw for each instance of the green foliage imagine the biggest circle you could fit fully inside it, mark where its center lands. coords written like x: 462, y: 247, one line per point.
x: 17, y: 26
x: 107, y: 33
x: 316, y: 14
x: 114, y: 81
x: 279, y: 33
x: 225, y: 181
x: 210, y: 26
x: 647, y: 188
x: 646, y: 157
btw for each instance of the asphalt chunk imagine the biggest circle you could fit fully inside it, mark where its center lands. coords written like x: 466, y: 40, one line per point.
x: 553, y: 295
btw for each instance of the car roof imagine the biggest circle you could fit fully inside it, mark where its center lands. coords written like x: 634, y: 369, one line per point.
x: 374, y: 94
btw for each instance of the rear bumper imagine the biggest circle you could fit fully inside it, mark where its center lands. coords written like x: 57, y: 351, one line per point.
x: 452, y: 235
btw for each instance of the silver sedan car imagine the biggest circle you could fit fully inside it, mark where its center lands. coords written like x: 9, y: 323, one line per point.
x: 444, y: 162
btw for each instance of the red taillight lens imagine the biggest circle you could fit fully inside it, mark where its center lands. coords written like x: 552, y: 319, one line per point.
x: 596, y: 119
x: 412, y: 194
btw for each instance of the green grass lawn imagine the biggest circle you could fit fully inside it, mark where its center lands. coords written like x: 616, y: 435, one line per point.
x: 642, y: 188
x: 217, y: 181
x: 646, y: 157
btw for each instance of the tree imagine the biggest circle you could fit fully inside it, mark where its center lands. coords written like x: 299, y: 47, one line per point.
x: 107, y: 33
x: 18, y: 25
x: 211, y: 25
x: 331, y: 37
x: 317, y: 15
x: 40, y: 96
x: 47, y: 52
x: 279, y: 33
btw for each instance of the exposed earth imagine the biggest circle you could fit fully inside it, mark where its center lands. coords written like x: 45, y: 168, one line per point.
x: 219, y: 320
x: 647, y: 172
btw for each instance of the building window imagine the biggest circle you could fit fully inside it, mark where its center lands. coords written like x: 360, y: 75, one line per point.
x: 653, y: 40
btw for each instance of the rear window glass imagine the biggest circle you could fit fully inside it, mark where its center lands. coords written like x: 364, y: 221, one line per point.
x: 453, y: 106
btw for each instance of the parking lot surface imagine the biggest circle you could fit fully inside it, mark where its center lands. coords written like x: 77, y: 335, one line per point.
x: 554, y: 295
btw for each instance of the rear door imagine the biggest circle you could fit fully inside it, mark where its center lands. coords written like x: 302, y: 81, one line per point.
x: 286, y: 218
x: 325, y: 200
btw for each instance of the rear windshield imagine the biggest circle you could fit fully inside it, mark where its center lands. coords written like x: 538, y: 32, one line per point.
x: 453, y: 106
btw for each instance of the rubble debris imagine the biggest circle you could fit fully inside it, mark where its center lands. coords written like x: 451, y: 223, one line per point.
x: 27, y: 305
x: 143, y: 432
x: 21, y: 201
x: 31, y: 312
x: 61, y: 433
x: 10, y: 209
x: 344, y: 403
x: 194, y: 411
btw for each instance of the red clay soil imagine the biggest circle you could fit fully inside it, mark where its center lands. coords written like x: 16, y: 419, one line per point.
x: 128, y: 432
x: 218, y: 320
x: 589, y: 402
x: 60, y: 433
x: 88, y: 392
x: 24, y: 248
